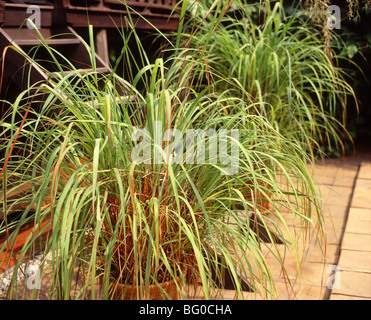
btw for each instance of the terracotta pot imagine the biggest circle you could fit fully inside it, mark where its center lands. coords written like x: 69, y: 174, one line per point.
x: 261, y: 200
x: 129, y: 292
x: 9, y: 258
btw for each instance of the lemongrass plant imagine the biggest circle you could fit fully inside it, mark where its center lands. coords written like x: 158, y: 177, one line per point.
x: 282, y: 63
x: 154, y: 185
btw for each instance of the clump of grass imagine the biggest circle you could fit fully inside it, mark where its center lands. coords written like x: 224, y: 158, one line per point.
x: 144, y: 222
x: 282, y: 65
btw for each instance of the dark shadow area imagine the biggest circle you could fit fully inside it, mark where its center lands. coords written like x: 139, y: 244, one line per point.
x: 356, y: 33
x: 219, y: 272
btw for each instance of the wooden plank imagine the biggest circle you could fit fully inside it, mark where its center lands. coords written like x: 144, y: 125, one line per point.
x: 2, y: 12
x: 81, y: 52
x: 353, y: 284
x: 83, y: 71
x: 16, y: 65
x: 50, y: 42
x: 15, y: 15
x: 52, y: 36
x: 168, y: 5
x: 99, y: 17
x: 108, y: 5
x: 102, y: 20
x: 102, y: 45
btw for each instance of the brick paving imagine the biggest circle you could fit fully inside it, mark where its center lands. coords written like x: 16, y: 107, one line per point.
x: 354, y: 263
x: 344, y: 271
x: 340, y: 269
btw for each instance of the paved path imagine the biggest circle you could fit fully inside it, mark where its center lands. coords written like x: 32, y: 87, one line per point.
x: 354, y: 263
x: 344, y: 272
x: 342, y: 268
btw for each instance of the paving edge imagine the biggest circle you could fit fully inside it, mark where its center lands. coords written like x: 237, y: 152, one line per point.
x: 328, y: 291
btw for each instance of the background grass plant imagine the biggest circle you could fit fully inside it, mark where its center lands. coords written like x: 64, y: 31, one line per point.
x: 279, y: 61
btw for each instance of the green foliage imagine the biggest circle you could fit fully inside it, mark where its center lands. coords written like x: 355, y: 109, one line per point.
x: 282, y: 65
x: 116, y: 221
